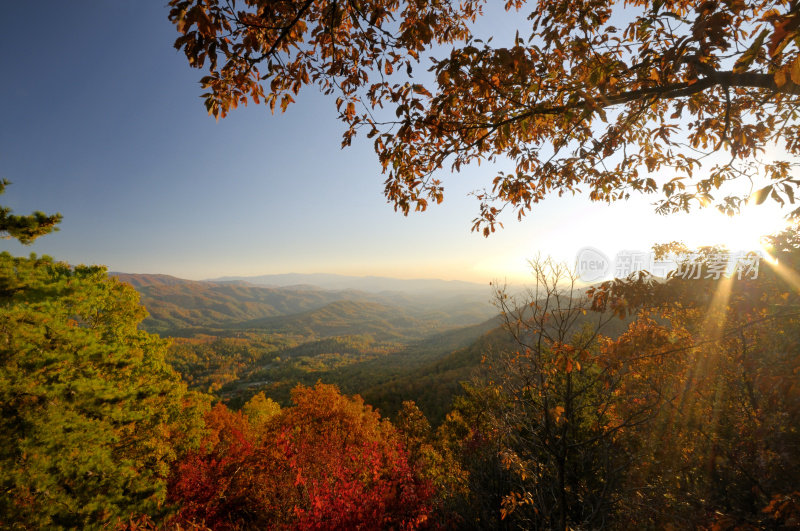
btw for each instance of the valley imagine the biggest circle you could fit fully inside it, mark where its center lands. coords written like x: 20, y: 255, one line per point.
x: 234, y: 338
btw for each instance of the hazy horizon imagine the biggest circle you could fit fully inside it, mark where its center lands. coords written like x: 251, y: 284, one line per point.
x: 225, y: 278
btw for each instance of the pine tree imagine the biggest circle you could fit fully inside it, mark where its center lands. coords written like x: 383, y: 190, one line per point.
x: 25, y: 228
x: 92, y: 415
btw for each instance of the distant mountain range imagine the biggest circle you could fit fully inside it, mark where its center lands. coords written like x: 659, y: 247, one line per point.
x: 370, y: 284
x: 425, y: 306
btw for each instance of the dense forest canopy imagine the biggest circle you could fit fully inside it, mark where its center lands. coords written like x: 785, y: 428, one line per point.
x: 600, y: 97
x: 93, y: 416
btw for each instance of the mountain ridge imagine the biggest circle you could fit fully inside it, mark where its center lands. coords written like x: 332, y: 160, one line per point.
x: 182, y: 304
x: 371, y: 283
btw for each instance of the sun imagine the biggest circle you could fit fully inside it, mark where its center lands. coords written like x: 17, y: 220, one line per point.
x: 742, y: 232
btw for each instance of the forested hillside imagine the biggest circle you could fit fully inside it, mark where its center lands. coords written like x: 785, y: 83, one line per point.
x: 238, y: 364
x: 359, y: 365
x: 349, y: 318
x: 386, y: 353
x: 177, y: 305
x: 236, y: 339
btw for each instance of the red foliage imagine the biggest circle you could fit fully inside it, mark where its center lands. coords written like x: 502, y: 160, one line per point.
x: 327, y: 463
x: 364, y: 488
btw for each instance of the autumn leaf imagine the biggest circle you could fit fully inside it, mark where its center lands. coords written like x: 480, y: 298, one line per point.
x: 759, y: 196
x: 747, y: 58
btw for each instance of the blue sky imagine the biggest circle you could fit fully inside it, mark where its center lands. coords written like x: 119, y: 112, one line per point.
x: 102, y: 122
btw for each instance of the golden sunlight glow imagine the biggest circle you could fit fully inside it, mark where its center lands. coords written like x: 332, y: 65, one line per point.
x: 629, y: 226
x: 510, y: 267
x: 743, y: 232
x: 790, y: 276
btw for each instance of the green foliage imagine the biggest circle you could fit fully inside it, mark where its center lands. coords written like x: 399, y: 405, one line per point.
x: 25, y: 228
x: 341, y: 318
x: 434, y: 383
x: 246, y: 362
x: 207, y: 363
x: 429, y: 370
x: 259, y: 410
x: 436, y: 461
x: 92, y: 414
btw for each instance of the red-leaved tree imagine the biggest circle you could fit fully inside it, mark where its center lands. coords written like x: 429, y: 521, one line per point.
x: 329, y: 462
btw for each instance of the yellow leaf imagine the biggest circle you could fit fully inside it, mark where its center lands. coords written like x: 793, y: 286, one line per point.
x: 761, y: 195
x: 750, y: 55
x: 781, y: 77
x: 795, y: 71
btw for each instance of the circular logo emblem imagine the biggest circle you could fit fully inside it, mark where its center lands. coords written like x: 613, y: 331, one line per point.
x: 592, y: 265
